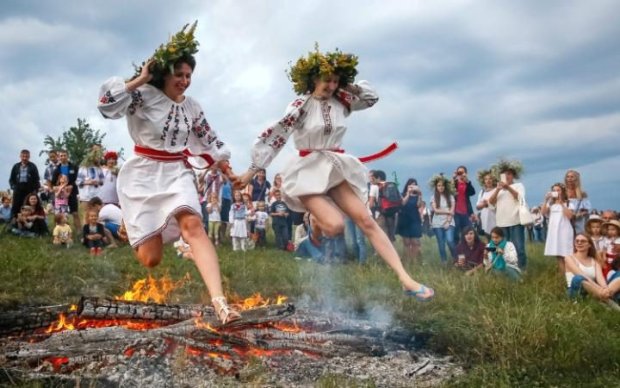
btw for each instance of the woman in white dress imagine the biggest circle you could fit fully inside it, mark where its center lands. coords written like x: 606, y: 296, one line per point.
x: 156, y: 188
x: 487, y: 211
x: 559, y: 230
x: 107, y: 191
x: 323, y: 178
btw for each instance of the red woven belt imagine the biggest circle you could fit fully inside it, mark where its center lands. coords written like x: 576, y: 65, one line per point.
x: 168, y: 157
x: 364, y: 159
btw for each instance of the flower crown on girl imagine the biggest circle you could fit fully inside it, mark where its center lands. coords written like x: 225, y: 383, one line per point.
x: 504, y: 165
x: 484, y: 172
x: 447, y: 183
x: 181, y: 44
x: 317, y: 64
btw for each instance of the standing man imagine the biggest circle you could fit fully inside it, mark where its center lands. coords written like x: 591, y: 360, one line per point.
x: 52, y: 157
x: 71, y: 171
x: 24, y: 180
x: 386, y: 219
x: 463, y: 210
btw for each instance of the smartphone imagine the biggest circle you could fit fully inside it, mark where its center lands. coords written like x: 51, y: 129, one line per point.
x: 554, y: 194
x: 502, y: 177
x: 490, y: 248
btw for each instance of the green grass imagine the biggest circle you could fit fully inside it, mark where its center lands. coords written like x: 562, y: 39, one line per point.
x: 506, y: 334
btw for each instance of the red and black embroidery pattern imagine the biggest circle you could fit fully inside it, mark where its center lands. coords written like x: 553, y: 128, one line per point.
x: 325, y: 110
x: 107, y: 98
x: 200, y: 126
x: 136, y: 102
x: 164, y: 133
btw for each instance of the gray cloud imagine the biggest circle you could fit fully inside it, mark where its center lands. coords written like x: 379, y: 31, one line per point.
x: 460, y: 82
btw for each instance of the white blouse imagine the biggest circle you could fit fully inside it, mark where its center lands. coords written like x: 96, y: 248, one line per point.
x: 155, y: 121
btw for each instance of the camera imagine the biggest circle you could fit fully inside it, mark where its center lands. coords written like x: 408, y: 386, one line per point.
x: 490, y: 248
x: 554, y: 194
x: 459, y: 172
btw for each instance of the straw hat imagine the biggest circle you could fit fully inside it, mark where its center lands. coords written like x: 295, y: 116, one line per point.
x: 594, y: 218
x: 615, y: 223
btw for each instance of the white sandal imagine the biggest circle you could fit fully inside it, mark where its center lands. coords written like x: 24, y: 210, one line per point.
x: 224, y: 312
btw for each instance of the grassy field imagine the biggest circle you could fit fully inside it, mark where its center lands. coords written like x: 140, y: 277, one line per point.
x: 506, y: 334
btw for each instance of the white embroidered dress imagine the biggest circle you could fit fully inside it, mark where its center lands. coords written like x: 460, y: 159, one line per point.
x: 317, y: 126
x: 151, y: 192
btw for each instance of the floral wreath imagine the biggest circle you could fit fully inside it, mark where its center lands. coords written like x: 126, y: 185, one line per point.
x: 504, y: 165
x: 480, y: 174
x: 317, y: 64
x: 180, y: 45
x: 448, y: 183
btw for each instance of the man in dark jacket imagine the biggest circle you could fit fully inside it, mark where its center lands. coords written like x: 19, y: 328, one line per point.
x: 463, y: 210
x: 71, y: 171
x: 24, y: 180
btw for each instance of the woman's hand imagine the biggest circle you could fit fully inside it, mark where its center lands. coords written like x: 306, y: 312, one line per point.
x: 144, y: 77
x: 241, y: 181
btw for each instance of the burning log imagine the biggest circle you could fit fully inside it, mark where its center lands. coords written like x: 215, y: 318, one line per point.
x: 102, y: 308
x: 30, y: 318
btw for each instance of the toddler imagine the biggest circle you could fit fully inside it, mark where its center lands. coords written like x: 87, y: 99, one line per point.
x: 239, y: 229
x: 215, y: 219
x: 612, y: 230
x: 261, y: 217
x: 61, y: 195
x: 24, y: 222
x: 93, y: 233
x: 62, y: 234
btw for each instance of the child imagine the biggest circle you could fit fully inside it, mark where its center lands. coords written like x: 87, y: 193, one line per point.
x: 24, y: 223
x: 61, y: 195
x: 594, y: 228
x: 63, y: 235
x: 261, y: 224
x: 502, y: 255
x: 215, y: 219
x: 93, y: 233
x: 613, y: 232
x: 279, y: 214
x: 239, y: 229
x: 5, y: 210
x: 250, y: 219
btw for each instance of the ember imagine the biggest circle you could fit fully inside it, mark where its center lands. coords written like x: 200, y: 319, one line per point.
x: 101, y: 337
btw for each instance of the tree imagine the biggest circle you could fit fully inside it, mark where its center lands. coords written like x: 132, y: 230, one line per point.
x: 77, y: 141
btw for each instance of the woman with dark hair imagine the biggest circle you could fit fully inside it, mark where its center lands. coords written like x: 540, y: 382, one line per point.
x: 323, y: 178
x: 443, y: 215
x: 469, y: 251
x: 38, y: 216
x: 156, y: 188
x: 409, y: 225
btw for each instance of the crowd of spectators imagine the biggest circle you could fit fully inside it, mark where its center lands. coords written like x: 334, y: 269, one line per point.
x: 488, y: 235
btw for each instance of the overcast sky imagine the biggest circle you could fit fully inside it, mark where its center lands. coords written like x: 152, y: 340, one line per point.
x: 460, y: 82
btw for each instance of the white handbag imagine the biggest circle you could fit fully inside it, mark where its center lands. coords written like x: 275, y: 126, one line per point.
x: 525, y: 216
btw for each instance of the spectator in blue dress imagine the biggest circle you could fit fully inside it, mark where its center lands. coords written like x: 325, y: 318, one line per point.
x: 409, y: 225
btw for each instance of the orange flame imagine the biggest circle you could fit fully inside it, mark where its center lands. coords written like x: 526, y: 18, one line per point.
x: 204, y: 325
x: 257, y: 300
x: 61, y: 324
x: 151, y: 289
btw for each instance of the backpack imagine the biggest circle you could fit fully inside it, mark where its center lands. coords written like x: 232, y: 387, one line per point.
x: 390, y: 200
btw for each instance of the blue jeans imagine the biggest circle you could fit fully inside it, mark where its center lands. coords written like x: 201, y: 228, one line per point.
x: 460, y: 221
x: 334, y: 248
x: 538, y: 234
x: 575, y: 289
x: 516, y: 235
x: 445, y: 236
x: 307, y: 249
x: 358, y: 241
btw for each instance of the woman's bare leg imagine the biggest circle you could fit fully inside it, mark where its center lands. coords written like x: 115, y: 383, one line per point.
x: 150, y: 253
x: 203, y: 251
x: 352, y: 206
x: 205, y: 257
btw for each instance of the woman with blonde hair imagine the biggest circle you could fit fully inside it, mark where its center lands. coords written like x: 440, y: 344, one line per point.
x: 578, y: 198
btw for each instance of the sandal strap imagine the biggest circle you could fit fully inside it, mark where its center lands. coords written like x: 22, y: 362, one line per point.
x: 222, y: 307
